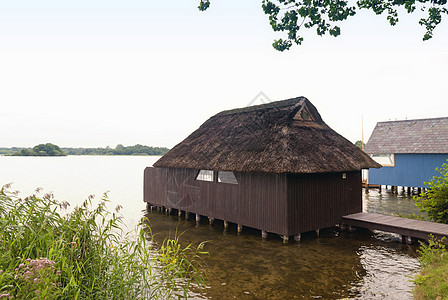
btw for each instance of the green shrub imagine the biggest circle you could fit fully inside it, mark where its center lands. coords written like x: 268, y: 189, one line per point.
x: 85, y: 254
x: 435, y: 201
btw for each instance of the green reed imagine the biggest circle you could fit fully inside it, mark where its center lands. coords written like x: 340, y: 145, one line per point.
x: 84, y: 254
x: 432, y: 282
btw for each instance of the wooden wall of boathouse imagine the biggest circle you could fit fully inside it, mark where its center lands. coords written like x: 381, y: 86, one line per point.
x: 284, y: 204
x: 409, y: 170
x: 318, y: 201
x: 257, y: 201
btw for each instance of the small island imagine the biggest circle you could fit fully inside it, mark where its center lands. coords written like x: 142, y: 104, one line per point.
x: 47, y: 149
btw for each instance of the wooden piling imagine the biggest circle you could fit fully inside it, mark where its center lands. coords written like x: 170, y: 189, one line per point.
x: 240, y: 228
x: 187, y: 215
x: 226, y: 225
x: 317, y: 232
x: 179, y: 213
x: 297, y: 237
x: 406, y: 239
x: 285, y: 239
x: 210, y: 221
x: 198, y: 218
x: 264, y: 234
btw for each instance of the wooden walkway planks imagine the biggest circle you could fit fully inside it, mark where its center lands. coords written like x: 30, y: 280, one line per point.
x: 405, y: 227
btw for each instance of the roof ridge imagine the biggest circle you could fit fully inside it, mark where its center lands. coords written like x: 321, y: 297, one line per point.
x: 413, y: 120
x: 274, y: 104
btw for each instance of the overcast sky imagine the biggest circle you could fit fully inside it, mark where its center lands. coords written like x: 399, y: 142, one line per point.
x: 94, y: 73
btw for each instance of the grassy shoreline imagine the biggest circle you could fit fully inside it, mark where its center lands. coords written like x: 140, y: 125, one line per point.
x: 84, y: 254
x: 432, y: 282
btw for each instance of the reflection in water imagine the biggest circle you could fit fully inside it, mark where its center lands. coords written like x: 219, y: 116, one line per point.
x: 358, y: 265
x: 387, y: 203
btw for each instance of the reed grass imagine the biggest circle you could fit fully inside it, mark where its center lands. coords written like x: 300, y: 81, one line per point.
x: 48, y: 254
x: 432, y: 282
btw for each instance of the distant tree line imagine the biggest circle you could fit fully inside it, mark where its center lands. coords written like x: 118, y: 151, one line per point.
x: 119, y: 150
x: 53, y: 150
x: 9, y: 151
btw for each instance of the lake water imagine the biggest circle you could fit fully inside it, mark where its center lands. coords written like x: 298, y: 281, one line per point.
x: 337, y: 265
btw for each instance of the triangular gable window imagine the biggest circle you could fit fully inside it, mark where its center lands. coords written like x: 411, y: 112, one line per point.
x: 303, y: 114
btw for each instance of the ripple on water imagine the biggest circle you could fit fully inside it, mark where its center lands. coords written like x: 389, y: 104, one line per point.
x: 359, y: 265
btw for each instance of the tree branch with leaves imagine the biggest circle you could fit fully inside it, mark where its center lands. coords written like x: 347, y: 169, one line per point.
x: 290, y: 16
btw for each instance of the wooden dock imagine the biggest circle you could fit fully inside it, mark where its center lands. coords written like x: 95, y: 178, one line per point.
x: 408, y: 229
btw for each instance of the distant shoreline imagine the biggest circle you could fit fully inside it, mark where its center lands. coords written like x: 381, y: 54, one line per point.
x: 9, y: 155
x: 119, y: 150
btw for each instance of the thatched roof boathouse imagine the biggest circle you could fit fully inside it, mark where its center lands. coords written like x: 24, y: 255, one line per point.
x: 275, y: 167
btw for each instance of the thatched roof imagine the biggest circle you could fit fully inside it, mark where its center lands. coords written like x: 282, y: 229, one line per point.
x: 280, y: 137
x: 409, y: 136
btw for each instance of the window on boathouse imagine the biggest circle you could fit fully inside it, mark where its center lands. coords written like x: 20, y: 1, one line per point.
x: 227, y: 177
x: 205, y: 175
x: 386, y: 160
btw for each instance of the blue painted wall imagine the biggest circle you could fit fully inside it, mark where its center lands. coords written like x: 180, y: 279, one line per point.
x: 410, y: 170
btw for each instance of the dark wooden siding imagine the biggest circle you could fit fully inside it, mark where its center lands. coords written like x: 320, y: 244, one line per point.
x: 317, y: 201
x: 257, y: 201
x: 278, y: 203
x: 154, y: 186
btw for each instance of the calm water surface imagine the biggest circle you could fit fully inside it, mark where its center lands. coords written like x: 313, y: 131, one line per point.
x: 358, y: 265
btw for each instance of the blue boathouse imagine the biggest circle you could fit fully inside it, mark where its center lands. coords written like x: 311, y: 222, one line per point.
x: 409, y: 151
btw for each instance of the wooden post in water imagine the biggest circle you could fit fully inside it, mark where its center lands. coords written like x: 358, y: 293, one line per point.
x: 379, y: 188
x: 264, y: 234
x: 187, y: 215
x: 198, y: 218
x: 226, y: 225
x: 285, y: 239
x: 317, y: 232
x: 169, y: 211
x: 179, y: 213
x: 240, y: 228
x: 297, y: 237
x: 406, y: 239
x: 366, y: 187
x: 210, y: 221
